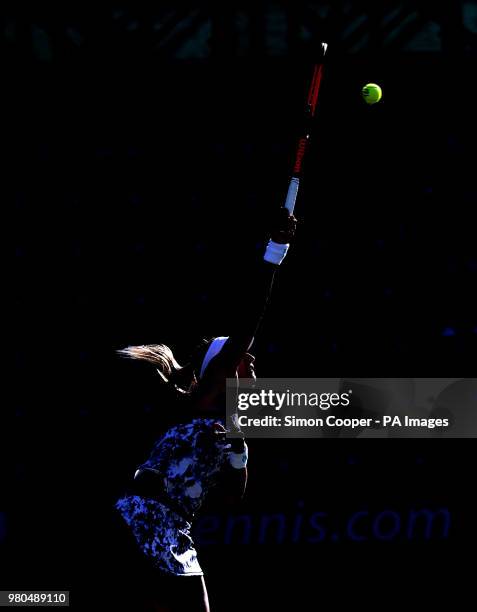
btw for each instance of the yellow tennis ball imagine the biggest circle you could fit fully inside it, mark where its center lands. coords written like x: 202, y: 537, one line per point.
x: 371, y: 93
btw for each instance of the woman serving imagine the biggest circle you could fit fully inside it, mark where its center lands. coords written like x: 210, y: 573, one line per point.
x: 193, y: 455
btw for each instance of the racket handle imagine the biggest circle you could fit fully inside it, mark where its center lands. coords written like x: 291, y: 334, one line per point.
x: 292, y: 194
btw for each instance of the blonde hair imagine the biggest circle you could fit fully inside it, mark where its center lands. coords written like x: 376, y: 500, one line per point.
x: 159, y: 355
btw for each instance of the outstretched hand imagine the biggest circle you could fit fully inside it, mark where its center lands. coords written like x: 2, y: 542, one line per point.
x: 283, y: 227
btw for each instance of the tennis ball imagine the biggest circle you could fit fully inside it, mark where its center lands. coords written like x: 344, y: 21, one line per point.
x: 371, y: 93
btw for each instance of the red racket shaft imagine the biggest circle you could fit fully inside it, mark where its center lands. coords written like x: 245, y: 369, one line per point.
x: 304, y: 139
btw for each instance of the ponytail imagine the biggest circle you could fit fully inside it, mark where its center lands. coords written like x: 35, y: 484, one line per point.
x: 159, y: 355
x: 182, y: 378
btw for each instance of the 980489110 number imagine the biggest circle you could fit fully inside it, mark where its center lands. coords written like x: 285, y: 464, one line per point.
x: 34, y: 598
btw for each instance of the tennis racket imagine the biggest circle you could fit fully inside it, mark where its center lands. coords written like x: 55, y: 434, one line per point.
x: 304, y: 139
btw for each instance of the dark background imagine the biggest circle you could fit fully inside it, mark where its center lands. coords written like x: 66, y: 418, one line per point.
x: 142, y: 164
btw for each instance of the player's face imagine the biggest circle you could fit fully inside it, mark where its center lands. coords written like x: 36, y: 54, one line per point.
x: 246, y: 368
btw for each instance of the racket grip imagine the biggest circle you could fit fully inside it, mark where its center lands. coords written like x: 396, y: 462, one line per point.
x: 292, y: 194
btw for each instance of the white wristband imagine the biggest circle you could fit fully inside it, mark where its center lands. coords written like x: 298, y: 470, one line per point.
x: 239, y: 460
x: 275, y: 252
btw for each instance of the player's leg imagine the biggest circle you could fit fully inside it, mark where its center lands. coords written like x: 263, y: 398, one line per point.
x: 179, y: 594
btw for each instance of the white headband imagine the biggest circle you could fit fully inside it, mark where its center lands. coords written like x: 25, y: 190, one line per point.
x: 214, y: 349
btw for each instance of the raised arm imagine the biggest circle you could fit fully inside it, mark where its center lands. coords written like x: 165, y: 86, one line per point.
x: 225, y: 363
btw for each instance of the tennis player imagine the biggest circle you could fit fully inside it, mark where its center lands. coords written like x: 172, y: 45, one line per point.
x: 193, y: 455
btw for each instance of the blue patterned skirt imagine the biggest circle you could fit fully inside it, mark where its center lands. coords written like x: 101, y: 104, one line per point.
x: 161, y: 534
